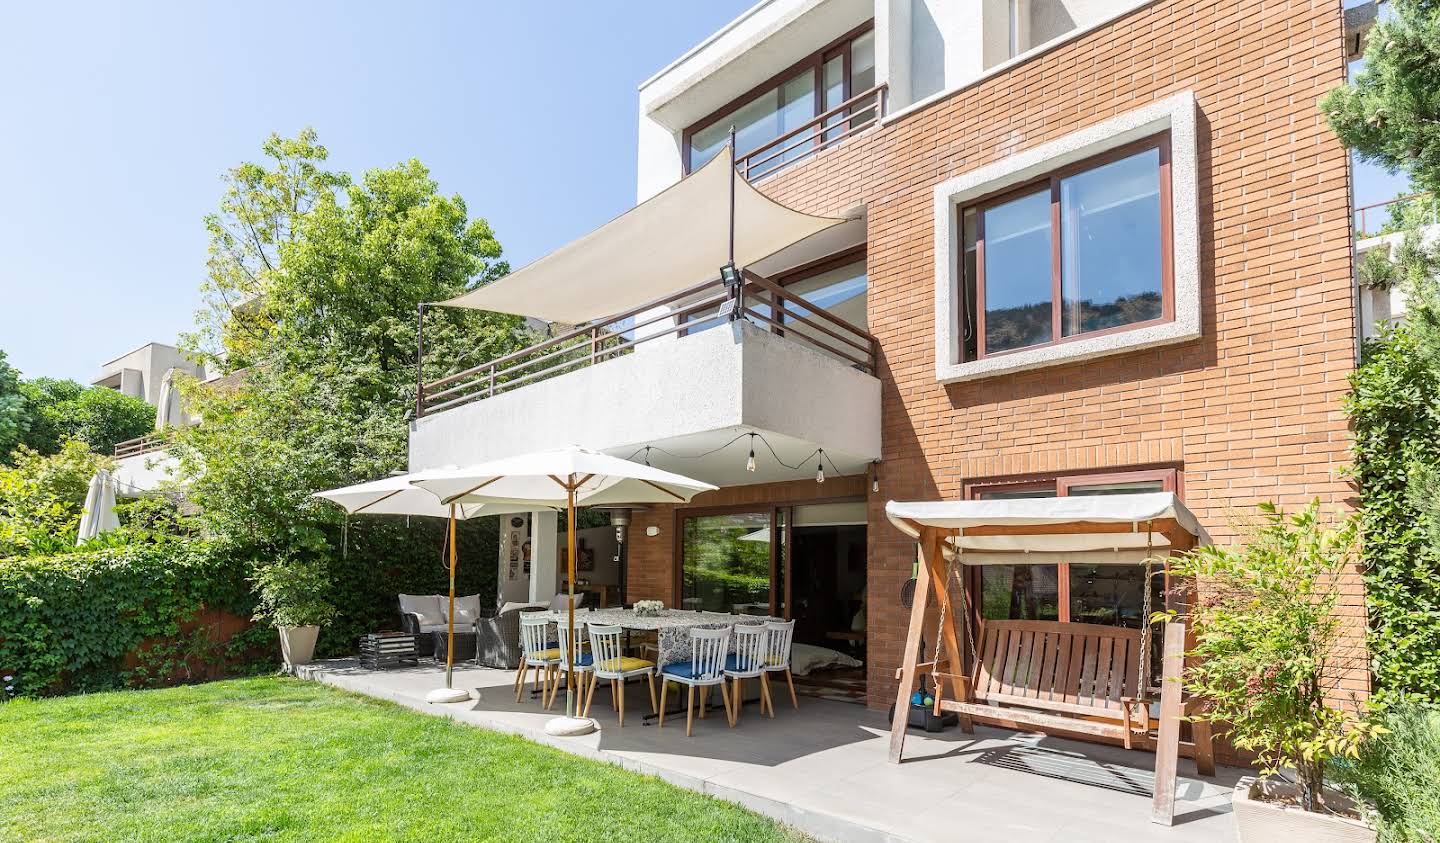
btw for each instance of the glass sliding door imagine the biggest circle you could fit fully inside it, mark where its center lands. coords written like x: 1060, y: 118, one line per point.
x: 726, y: 562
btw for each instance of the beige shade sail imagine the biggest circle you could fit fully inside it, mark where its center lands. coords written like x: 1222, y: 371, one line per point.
x: 669, y: 242
x: 1089, y: 529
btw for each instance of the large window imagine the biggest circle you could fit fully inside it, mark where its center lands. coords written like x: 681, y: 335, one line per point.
x: 1081, y: 252
x: 726, y: 562
x: 1103, y: 594
x: 819, y: 83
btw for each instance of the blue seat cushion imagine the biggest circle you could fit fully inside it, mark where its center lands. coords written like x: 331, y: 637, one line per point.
x: 731, y: 664
x: 682, y: 670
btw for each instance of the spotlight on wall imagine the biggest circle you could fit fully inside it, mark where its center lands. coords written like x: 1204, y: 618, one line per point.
x: 730, y: 275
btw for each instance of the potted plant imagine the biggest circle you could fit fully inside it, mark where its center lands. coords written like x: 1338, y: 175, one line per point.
x: 1269, y: 651
x: 293, y: 598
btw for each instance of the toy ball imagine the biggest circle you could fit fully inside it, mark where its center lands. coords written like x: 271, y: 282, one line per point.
x: 929, y: 700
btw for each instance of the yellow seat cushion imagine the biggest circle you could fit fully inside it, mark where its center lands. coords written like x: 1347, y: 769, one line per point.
x: 552, y: 654
x: 625, y: 664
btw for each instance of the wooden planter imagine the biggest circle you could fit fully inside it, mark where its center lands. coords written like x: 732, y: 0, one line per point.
x: 1271, y: 822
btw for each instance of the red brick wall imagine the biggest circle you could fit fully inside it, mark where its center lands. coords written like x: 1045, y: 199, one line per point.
x: 1251, y: 411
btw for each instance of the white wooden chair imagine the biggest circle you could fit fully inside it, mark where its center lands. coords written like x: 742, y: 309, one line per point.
x: 708, y: 648
x: 608, y: 661
x: 584, y: 665
x: 748, y: 662
x: 777, y: 655
x: 537, y: 656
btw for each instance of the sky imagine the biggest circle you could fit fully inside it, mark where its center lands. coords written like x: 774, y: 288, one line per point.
x: 120, y: 118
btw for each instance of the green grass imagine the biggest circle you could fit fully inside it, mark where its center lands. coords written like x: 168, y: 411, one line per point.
x: 278, y: 759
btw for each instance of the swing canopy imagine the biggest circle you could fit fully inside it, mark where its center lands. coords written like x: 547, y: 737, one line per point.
x: 1090, y: 529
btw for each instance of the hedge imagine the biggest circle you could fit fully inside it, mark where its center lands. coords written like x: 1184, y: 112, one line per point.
x: 1394, y: 408
x: 69, y: 622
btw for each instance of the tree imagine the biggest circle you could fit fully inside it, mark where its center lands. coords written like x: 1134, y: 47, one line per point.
x: 42, y: 496
x: 13, y: 420
x: 59, y: 410
x: 1390, y: 113
x: 329, y: 379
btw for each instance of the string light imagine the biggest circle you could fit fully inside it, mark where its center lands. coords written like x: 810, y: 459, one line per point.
x: 875, y: 476
x: 750, y: 462
x: 820, y: 467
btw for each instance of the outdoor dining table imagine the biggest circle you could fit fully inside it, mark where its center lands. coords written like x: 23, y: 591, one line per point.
x: 672, y: 627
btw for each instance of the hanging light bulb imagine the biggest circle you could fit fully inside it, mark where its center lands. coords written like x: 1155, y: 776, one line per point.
x: 820, y: 467
x: 750, y: 462
x: 875, y: 478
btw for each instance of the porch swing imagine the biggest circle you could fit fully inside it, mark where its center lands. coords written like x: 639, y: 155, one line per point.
x: 1076, y: 679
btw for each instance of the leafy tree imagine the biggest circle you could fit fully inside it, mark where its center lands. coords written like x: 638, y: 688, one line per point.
x: 1390, y: 114
x: 335, y: 274
x: 42, y: 496
x: 60, y: 410
x: 13, y: 421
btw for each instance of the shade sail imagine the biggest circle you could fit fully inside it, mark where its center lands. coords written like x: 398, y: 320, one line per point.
x: 671, y: 241
x: 397, y: 495
x: 1069, y: 529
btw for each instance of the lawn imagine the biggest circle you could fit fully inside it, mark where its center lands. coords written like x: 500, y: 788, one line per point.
x: 280, y: 759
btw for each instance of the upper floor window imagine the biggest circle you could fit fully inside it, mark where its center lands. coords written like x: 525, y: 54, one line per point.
x: 1084, y: 251
x: 821, y: 82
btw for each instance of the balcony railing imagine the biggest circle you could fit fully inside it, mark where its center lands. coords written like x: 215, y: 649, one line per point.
x: 759, y: 300
x: 854, y: 115
x: 147, y: 444
x: 1428, y: 203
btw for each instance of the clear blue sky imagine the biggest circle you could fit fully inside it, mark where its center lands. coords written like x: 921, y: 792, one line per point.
x: 119, y: 119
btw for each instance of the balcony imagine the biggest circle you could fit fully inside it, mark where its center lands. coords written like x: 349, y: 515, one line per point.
x: 686, y: 377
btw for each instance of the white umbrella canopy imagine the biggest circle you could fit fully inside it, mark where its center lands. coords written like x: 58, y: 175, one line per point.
x: 99, y: 513
x: 574, y: 476
x: 397, y: 495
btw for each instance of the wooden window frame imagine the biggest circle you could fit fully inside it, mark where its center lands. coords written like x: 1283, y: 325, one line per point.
x: 1160, y: 142
x: 815, y: 63
x: 1171, y: 479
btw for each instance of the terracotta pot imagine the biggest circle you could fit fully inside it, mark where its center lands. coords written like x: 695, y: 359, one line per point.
x: 297, y: 644
x: 1272, y: 822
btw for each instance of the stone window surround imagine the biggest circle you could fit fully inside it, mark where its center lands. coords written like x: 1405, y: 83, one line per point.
x: 1175, y: 114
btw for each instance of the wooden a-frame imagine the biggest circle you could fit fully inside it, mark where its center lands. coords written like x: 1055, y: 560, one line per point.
x: 949, y: 666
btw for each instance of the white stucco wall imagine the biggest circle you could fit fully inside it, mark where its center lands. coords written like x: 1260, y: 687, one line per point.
x: 729, y: 377
x: 145, y: 472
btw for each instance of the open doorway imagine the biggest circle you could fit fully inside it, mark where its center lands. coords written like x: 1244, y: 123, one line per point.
x: 827, y: 599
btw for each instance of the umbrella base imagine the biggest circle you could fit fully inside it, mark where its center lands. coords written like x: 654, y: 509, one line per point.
x: 567, y: 727
x: 447, y: 695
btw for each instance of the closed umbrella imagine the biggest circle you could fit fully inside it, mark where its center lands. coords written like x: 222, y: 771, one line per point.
x: 570, y: 477
x: 397, y: 495
x: 168, y: 412
x: 99, y: 514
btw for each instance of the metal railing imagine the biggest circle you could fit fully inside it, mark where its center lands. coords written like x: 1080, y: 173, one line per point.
x: 1363, y: 230
x: 854, y: 115
x: 757, y: 299
x: 147, y: 444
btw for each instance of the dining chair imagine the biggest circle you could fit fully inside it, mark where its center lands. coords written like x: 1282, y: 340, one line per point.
x: 584, y: 664
x: 748, y: 662
x: 708, y: 648
x: 777, y: 658
x: 537, y: 655
x: 608, y: 661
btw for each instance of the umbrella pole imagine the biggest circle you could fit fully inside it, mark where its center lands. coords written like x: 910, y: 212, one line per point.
x: 450, y: 616
x: 570, y: 571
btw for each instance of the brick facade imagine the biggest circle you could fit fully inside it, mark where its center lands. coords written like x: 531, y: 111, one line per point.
x: 1249, y: 412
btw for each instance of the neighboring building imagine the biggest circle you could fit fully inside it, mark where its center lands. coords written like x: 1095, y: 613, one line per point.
x: 148, y: 373
x: 1090, y: 246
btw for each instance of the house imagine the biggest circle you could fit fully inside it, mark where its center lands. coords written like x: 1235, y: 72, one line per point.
x: 148, y: 373
x: 985, y: 249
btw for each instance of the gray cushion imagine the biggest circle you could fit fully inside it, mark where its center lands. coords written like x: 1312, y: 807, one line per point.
x: 426, y: 606
x: 439, y: 627
x: 467, y: 610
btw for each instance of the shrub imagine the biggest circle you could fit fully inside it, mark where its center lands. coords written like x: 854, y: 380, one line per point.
x: 1399, y: 773
x: 293, y: 593
x: 1268, y: 643
x: 42, y: 496
x: 68, y: 622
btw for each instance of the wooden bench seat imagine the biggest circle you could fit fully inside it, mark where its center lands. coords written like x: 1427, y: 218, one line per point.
x: 1064, y: 676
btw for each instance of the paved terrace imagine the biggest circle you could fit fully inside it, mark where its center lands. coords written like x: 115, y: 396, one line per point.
x: 823, y: 769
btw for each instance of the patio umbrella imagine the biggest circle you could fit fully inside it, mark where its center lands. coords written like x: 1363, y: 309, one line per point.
x: 99, y: 514
x: 570, y: 477
x: 397, y: 495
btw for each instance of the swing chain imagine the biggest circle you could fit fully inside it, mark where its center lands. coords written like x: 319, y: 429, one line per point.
x: 1146, y: 601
